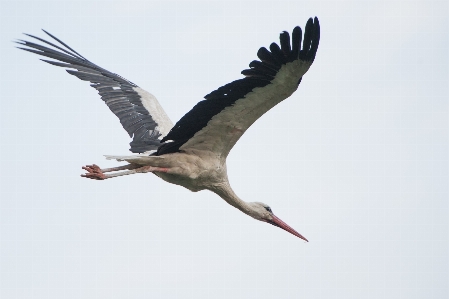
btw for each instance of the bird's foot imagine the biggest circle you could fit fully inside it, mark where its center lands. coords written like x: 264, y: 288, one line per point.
x: 93, y: 172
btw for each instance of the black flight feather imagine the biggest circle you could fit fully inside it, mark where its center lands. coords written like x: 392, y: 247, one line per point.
x: 296, y: 41
x: 115, y: 91
x: 284, y: 39
x: 278, y: 54
x: 260, y: 74
x: 308, y: 32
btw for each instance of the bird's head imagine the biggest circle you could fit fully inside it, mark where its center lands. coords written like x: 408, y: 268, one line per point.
x: 263, y: 212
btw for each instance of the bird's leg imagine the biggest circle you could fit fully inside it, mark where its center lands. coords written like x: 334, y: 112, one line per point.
x: 94, y: 172
x: 94, y: 168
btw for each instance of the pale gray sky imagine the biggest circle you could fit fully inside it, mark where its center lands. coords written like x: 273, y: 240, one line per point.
x: 356, y: 160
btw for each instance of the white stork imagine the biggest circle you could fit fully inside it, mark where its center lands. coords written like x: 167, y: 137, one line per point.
x: 193, y: 152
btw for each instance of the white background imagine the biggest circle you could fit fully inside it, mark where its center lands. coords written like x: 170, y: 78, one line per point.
x: 356, y: 160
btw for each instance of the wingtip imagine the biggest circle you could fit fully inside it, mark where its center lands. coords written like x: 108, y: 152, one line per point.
x: 48, y: 33
x: 309, y: 22
x: 316, y: 22
x: 296, y: 30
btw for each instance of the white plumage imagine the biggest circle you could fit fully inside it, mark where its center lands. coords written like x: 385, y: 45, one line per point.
x: 192, y: 153
x: 155, y: 109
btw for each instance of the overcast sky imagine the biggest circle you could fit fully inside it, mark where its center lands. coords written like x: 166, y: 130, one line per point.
x: 356, y: 160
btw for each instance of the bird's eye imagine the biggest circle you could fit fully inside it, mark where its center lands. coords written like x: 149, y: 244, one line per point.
x: 268, y: 209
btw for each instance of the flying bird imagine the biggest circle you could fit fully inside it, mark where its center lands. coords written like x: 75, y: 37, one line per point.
x: 192, y: 153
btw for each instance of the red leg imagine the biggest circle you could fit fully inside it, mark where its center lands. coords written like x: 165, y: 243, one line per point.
x: 94, y: 172
x: 95, y: 169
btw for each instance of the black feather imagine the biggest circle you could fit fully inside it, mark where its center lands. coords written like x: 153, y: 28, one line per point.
x: 62, y: 43
x: 53, y: 45
x: 115, y: 91
x: 256, y: 74
x: 277, y: 54
x: 315, y: 40
x: 284, y: 39
x: 266, y: 57
x: 263, y: 68
x: 308, y: 32
x: 296, y: 41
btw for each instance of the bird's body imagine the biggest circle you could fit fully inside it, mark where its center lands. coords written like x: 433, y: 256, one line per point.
x: 193, y: 152
x: 193, y: 170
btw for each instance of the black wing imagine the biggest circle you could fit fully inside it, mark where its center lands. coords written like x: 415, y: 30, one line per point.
x: 216, y: 123
x: 139, y: 111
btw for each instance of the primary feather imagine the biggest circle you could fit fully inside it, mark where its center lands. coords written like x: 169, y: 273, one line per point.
x: 139, y: 111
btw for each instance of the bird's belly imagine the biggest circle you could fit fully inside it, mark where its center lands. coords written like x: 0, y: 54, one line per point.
x: 195, y: 174
x: 193, y: 185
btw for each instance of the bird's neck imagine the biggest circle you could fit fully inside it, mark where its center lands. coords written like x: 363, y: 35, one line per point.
x: 225, y: 191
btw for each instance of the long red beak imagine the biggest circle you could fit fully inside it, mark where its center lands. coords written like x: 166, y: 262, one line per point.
x: 278, y: 222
